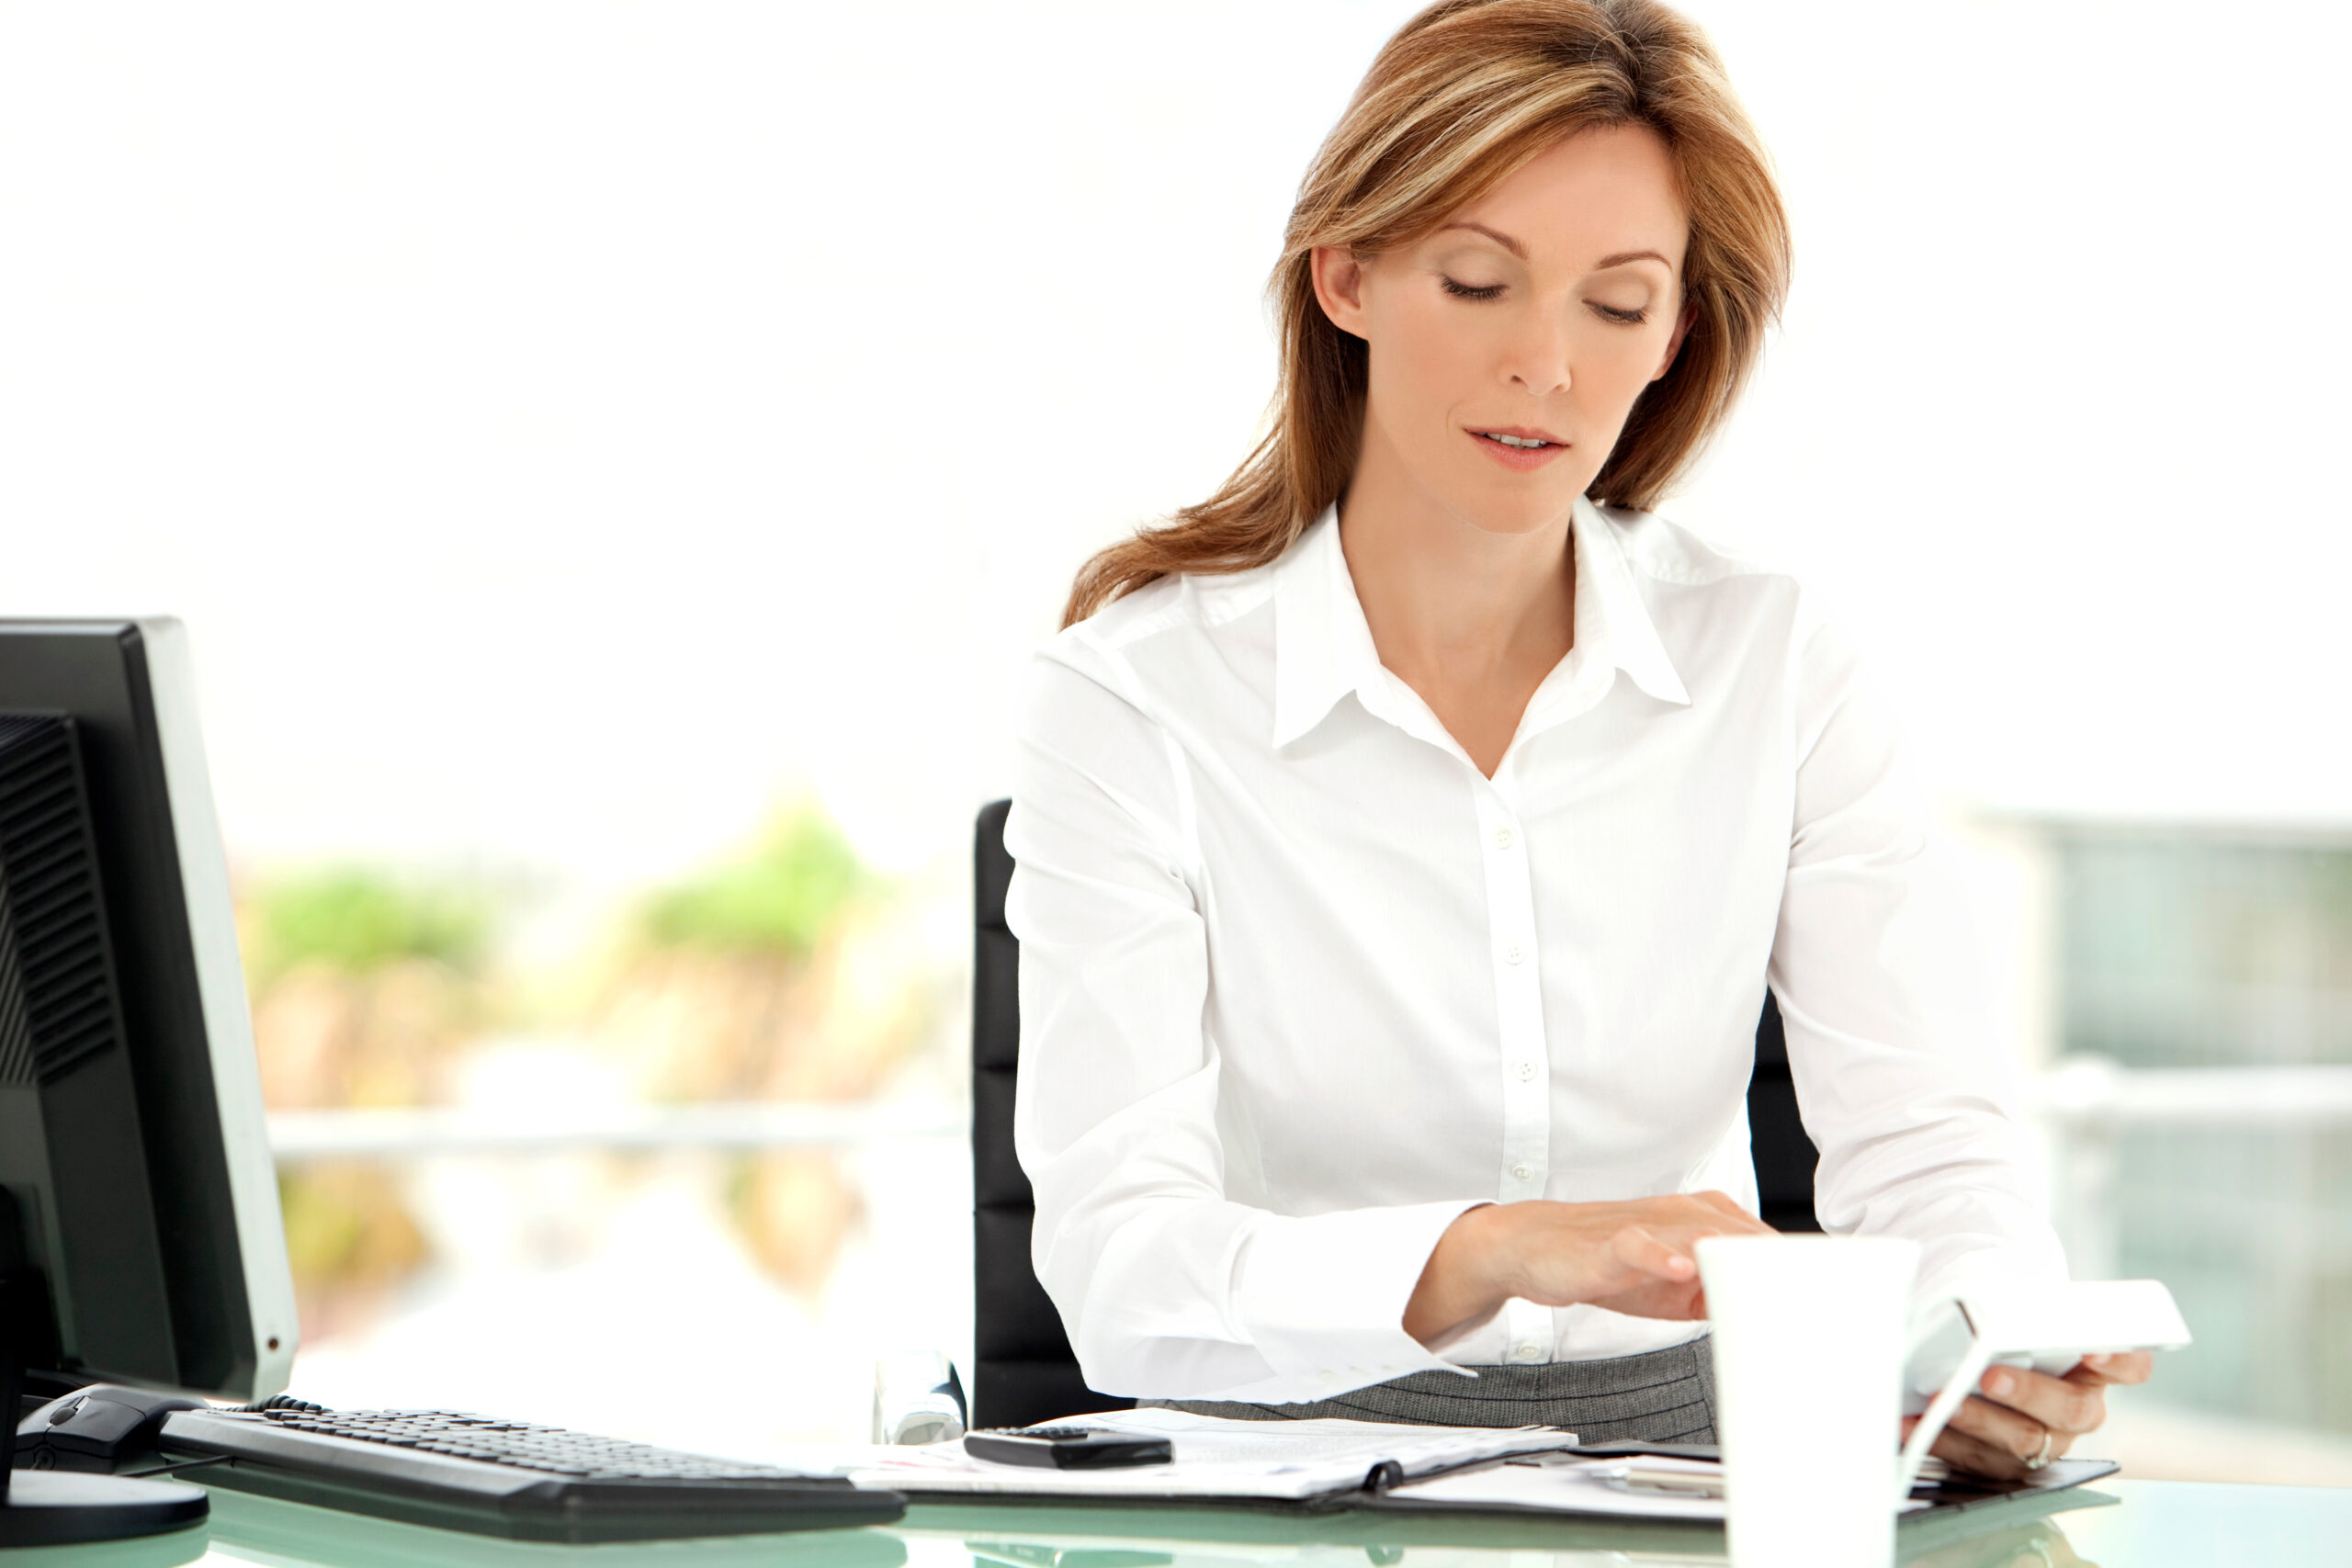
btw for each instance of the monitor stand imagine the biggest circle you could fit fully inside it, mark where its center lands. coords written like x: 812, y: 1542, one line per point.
x: 58, y: 1507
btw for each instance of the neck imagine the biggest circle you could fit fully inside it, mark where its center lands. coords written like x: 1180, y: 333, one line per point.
x: 1451, y: 604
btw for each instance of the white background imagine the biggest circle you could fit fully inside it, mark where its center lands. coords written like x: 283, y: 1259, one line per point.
x: 568, y: 428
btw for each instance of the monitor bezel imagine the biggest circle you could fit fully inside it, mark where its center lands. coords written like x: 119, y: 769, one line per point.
x: 211, y: 1181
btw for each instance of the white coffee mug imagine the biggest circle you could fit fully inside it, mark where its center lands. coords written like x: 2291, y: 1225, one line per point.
x: 1809, y: 1335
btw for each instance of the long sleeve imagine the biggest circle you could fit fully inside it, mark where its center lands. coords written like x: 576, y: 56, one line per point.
x: 1874, y: 963
x: 1168, y: 1288
x: 1300, y: 981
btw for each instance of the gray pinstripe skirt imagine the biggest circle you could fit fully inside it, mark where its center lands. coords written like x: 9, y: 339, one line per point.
x: 1662, y: 1397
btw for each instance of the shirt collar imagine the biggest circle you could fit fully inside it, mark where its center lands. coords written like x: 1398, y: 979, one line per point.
x: 1322, y: 644
x: 1610, y: 603
x: 1323, y: 648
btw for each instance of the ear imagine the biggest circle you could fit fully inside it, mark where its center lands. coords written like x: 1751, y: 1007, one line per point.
x: 1338, y: 286
x: 1674, y: 345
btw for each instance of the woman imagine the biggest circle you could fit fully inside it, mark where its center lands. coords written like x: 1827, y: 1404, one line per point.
x: 1405, y: 835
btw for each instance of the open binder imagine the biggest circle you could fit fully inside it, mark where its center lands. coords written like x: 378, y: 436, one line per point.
x: 1303, y: 1463
x: 1323, y: 1466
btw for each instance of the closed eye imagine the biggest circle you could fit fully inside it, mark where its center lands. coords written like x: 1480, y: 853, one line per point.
x: 1611, y: 313
x: 1468, y: 291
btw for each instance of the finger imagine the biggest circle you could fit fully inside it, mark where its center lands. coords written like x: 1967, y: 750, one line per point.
x: 1638, y: 1249
x: 2117, y: 1367
x: 2012, y: 1432
x: 2000, y: 1448
x: 2056, y: 1403
x: 1999, y: 1427
x: 1966, y: 1451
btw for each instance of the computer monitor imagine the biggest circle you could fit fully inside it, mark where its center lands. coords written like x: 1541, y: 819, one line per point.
x: 140, y: 1230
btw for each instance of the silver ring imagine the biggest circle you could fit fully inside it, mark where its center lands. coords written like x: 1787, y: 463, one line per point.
x: 2040, y: 1456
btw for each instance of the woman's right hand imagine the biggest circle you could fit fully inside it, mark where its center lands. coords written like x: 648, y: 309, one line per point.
x: 1632, y: 1257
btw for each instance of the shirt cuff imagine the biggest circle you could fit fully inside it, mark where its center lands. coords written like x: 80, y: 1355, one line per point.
x: 1323, y: 1298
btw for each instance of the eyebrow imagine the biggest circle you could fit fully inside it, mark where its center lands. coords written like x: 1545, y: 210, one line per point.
x: 1515, y: 248
x: 1496, y: 235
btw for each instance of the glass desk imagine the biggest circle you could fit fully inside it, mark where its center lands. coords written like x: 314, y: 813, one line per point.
x: 2115, y: 1523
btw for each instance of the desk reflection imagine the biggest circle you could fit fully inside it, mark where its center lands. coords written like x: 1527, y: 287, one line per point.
x: 245, y: 1529
x: 251, y: 1528
x: 2020, y: 1534
x: 149, y: 1551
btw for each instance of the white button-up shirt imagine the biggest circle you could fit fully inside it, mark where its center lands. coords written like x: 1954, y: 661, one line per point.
x: 1299, y: 985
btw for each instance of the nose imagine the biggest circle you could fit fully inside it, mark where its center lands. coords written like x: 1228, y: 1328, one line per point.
x: 1536, y: 361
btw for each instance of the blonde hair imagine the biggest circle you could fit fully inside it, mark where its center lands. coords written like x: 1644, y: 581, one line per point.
x: 1463, y: 96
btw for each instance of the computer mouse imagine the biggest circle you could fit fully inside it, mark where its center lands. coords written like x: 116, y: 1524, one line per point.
x: 100, y: 1429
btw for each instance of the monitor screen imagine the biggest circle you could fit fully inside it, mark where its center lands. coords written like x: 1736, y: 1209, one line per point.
x: 141, y: 1196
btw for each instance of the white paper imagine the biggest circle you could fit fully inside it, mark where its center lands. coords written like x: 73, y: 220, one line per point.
x: 1576, y: 1486
x: 1219, y: 1458
x: 1570, y: 1485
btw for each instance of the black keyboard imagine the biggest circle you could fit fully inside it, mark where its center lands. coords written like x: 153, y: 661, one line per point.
x: 507, y: 1478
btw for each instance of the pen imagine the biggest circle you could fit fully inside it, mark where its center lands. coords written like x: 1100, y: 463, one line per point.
x: 1666, y: 1483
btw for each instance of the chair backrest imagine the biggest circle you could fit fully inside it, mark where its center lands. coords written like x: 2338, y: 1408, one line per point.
x: 1777, y: 1141
x: 1024, y: 1369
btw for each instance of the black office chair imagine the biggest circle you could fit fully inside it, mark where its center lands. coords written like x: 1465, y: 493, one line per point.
x: 1022, y: 1368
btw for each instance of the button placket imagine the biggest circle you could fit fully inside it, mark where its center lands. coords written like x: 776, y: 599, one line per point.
x: 1530, y: 1331
x: 1524, y: 1054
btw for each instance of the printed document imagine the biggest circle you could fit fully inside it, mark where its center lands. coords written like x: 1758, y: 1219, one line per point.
x: 1220, y: 1458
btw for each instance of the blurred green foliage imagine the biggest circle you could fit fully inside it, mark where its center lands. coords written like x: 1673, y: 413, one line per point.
x: 780, y: 898
x: 356, y: 921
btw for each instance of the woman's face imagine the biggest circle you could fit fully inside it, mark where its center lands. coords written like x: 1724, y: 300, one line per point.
x: 1508, y: 347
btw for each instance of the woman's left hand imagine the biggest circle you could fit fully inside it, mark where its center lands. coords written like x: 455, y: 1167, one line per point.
x: 2021, y: 1415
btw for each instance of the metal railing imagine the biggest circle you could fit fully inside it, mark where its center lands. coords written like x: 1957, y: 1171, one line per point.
x: 2091, y: 1092
x: 2080, y: 1107
x: 2080, y: 1097
x: 302, y: 1137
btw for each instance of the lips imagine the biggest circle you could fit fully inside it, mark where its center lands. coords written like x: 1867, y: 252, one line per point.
x: 1517, y: 446
x: 1518, y: 436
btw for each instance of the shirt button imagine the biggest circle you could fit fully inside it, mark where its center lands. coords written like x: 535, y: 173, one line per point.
x: 1503, y: 839
x: 1527, y: 1072
x: 1520, y: 1172
x: 1511, y: 954
x: 1529, y: 1352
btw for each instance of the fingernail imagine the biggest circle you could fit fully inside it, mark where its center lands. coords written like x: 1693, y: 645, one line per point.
x: 1999, y: 1382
